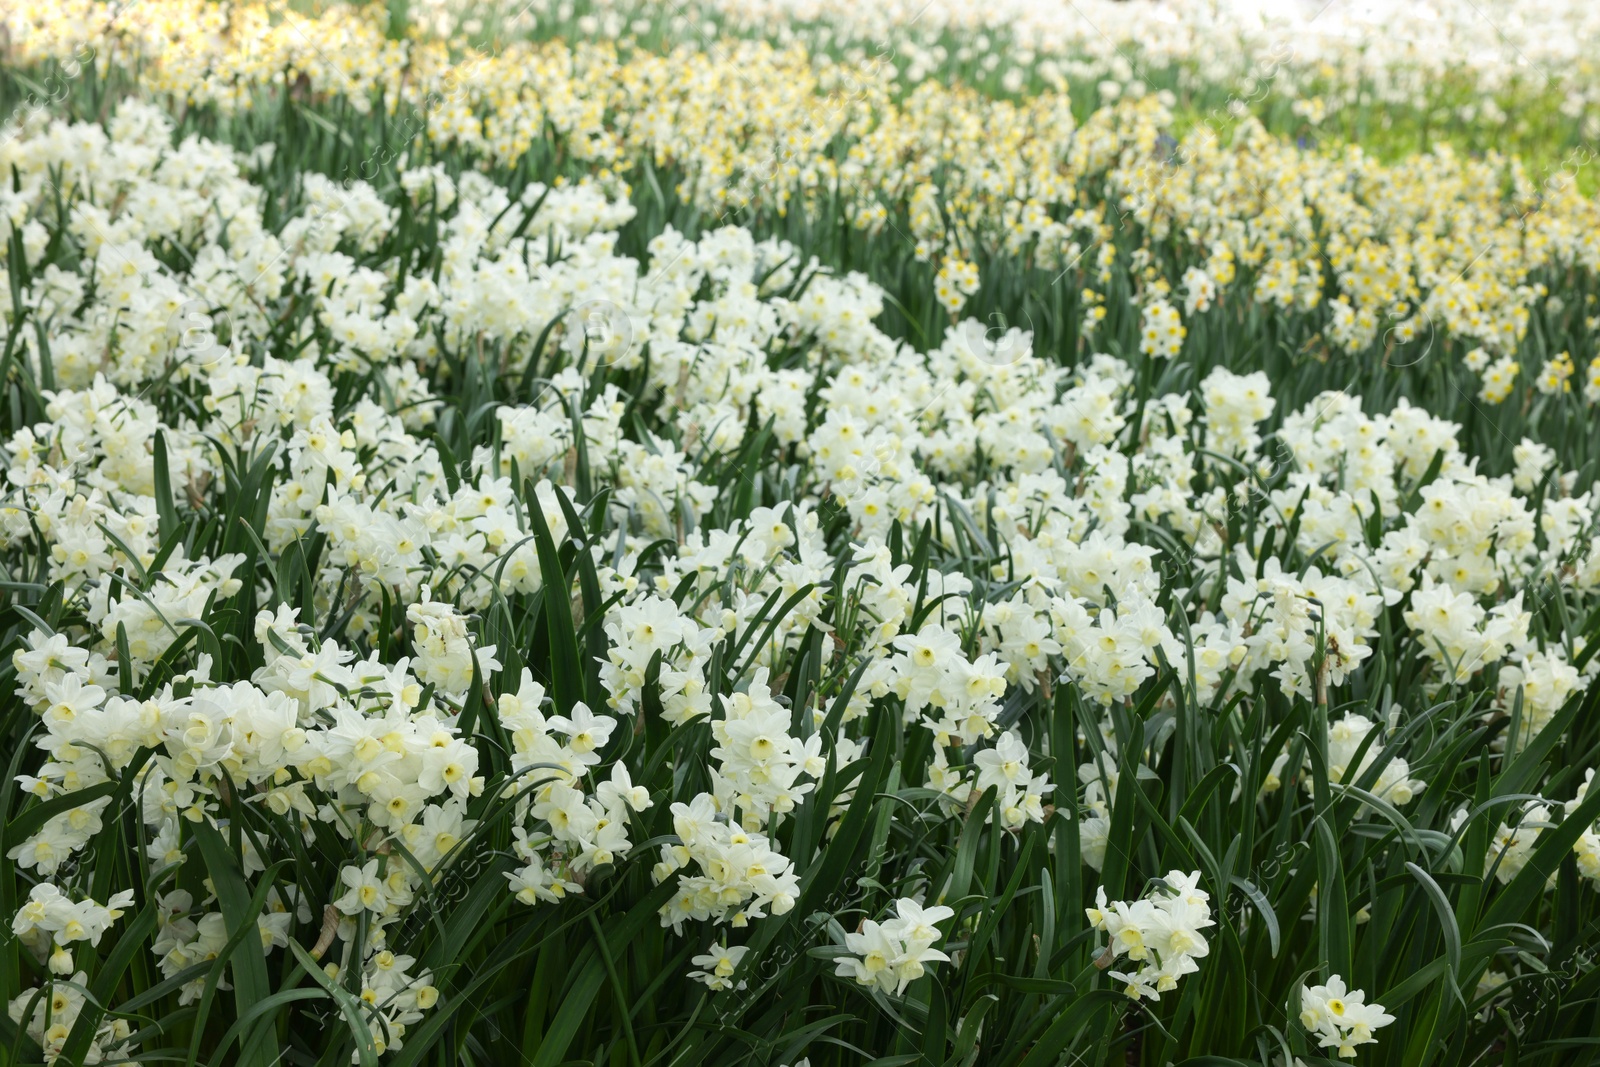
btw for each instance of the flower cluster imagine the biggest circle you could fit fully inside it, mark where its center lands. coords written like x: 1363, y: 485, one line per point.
x: 461, y: 549
x: 889, y: 956
x: 1255, y: 218
x: 1160, y: 932
x: 1340, y: 1017
x: 51, y: 921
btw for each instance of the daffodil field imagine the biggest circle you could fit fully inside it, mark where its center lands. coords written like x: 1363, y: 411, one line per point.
x: 649, y: 533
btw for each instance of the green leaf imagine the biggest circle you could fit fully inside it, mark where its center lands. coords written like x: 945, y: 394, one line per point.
x: 1333, y: 908
x: 1263, y: 908
x: 166, y: 511
x: 239, y: 910
x: 349, y: 1007
x: 566, y: 675
x: 1447, y: 922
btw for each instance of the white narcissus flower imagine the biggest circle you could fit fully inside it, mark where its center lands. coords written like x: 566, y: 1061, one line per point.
x: 1162, y: 331
x: 1234, y: 405
x: 1161, y: 932
x: 1340, y: 1017
x: 717, y: 965
x: 891, y: 955
x: 364, y: 890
